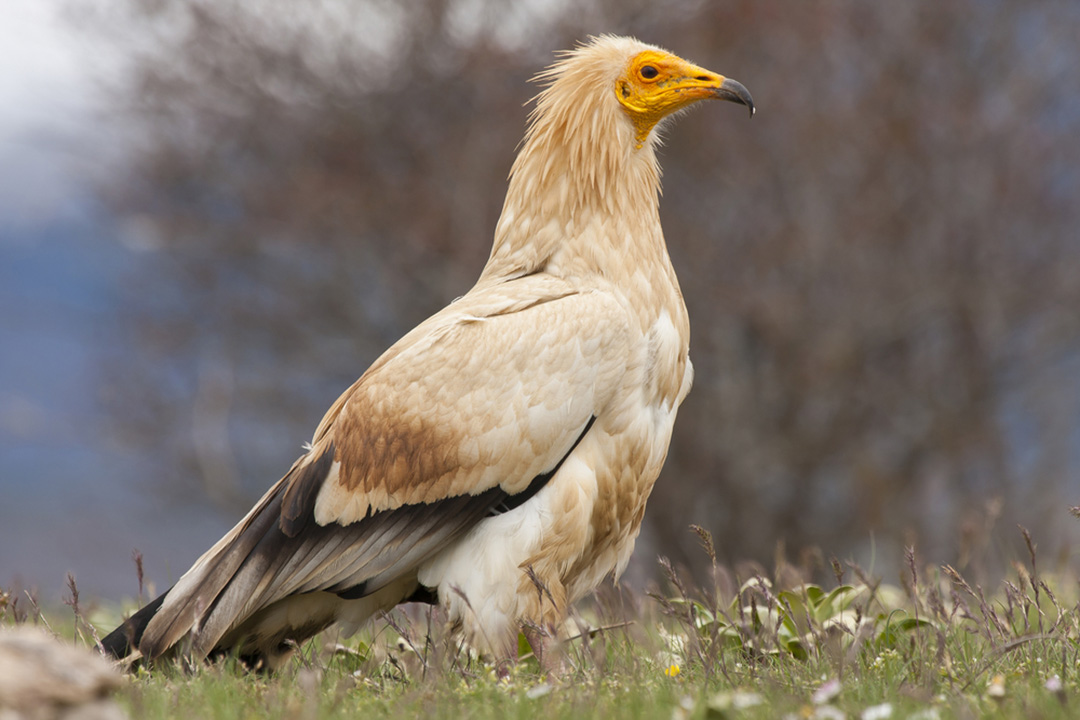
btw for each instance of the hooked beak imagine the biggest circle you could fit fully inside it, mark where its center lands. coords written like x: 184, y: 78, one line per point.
x: 733, y: 91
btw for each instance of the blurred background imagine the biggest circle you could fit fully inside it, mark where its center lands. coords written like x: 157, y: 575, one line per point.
x: 215, y: 214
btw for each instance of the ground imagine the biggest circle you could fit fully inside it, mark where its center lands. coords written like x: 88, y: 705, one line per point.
x: 937, y: 646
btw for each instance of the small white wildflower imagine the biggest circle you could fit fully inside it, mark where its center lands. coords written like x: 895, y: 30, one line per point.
x: 826, y: 693
x: 1057, y: 687
x: 734, y: 700
x: 877, y: 712
x: 683, y: 709
x: 828, y: 712
x: 741, y: 700
x: 927, y: 714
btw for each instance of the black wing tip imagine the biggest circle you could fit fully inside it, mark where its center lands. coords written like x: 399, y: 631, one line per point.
x: 537, y: 483
x: 125, y: 639
x: 298, y: 502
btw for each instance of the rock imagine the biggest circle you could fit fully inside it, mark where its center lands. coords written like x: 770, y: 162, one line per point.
x: 42, y: 678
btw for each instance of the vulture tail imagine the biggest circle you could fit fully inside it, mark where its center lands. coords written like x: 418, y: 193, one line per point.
x: 210, y: 598
x: 221, y: 590
x: 125, y: 639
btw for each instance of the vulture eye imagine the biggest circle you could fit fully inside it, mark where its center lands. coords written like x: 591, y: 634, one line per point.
x: 648, y: 72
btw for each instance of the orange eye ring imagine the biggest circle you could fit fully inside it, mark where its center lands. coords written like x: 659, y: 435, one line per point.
x: 648, y: 73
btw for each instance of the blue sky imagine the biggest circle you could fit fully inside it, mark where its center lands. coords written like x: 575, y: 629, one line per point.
x: 70, y: 499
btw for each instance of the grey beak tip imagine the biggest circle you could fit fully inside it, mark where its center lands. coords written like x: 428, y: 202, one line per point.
x: 734, y: 91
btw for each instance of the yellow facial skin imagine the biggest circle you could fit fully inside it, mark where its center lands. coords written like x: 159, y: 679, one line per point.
x: 656, y: 84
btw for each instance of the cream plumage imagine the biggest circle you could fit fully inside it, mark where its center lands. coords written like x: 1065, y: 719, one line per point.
x: 513, y: 437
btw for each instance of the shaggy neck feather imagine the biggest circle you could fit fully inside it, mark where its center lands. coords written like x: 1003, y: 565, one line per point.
x: 579, y: 189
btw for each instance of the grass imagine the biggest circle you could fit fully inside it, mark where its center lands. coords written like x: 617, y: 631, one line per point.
x: 935, y: 646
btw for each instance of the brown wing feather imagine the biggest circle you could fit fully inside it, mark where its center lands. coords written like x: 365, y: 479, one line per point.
x: 484, y: 397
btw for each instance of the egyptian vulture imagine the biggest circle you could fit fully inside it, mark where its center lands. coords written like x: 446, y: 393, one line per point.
x: 497, y: 459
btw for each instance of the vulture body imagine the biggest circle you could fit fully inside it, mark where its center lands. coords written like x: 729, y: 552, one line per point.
x: 507, y: 443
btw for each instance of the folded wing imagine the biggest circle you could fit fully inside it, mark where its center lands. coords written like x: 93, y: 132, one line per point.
x: 469, y: 414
